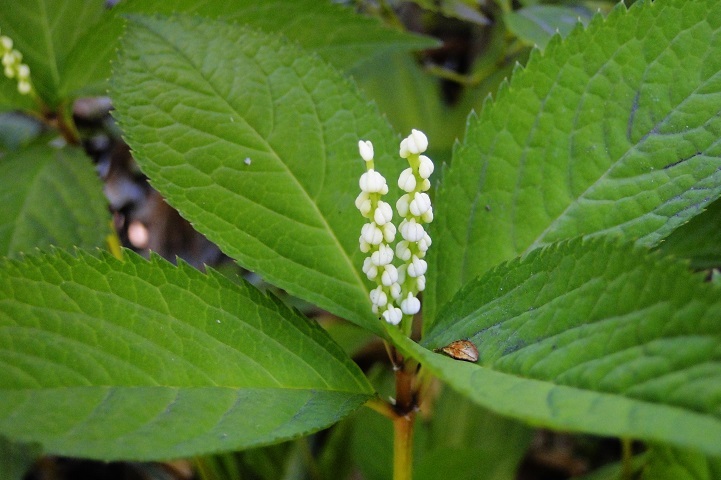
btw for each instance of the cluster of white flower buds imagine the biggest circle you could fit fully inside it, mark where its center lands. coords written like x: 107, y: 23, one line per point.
x: 397, y: 287
x: 13, y: 66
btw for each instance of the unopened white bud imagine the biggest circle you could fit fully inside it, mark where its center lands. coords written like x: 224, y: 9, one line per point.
x: 417, y: 142
x: 425, y: 168
x: 410, y: 305
x: 389, y: 275
x: 396, y: 290
x: 6, y: 43
x: 421, y: 204
x: 402, y: 205
x: 23, y: 87
x: 389, y: 232
x: 404, y: 152
x: 407, y: 181
x: 417, y: 267
x: 366, y: 150
x: 424, y: 243
x: 373, y: 182
x: 393, y: 315
x: 382, y: 256
x: 369, y: 269
x: 372, y: 234
x: 363, y: 203
x: 365, y: 247
x: 403, y: 251
x: 411, y: 230
x: 421, y: 283
x: 383, y: 213
x: 23, y: 72
x: 425, y: 185
x: 378, y: 297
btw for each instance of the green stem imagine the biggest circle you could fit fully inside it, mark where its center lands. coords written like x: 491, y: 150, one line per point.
x: 626, y: 459
x: 403, y: 446
x: 403, y: 422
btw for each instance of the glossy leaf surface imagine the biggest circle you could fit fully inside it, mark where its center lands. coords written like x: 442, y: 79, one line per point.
x: 611, y: 131
x: 256, y: 143
x: 594, y: 337
x: 143, y: 360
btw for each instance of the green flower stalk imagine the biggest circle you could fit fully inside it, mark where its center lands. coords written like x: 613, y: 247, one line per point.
x: 396, y: 294
x: 13, y: 66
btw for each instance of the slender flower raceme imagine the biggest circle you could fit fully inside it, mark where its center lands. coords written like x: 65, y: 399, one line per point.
x: 13, y: 66
x: 376, y: 238
x: 395, y: 296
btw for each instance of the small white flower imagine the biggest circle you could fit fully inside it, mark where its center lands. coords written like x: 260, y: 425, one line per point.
x: 403, y: 251
x: 417, y: 142
x: 23, y: 72
x: 411, y: 230
x: 396, y: 290
x: 383, y: 213
x: 372, y: 234
x: 23, y: 87
x: 421, y: 283
x: 425, y: 185
x: 417, y: 267
x: 427, y: 217
x: 373, y: 182
x: 393, y: 315
x: 407, y: 181
x: 363, y: 203
x: 421, y: 204
x: 424, y: 243
x: 365, y: 247
x: 382, y: 256
x: 404, y: 152
x: 369, y: 269
x: 402, y: 273
x: 6, y: 43
x: 378, y: 297
x: 389, y: 232
x: 389, y: 275
x: 402, y: 205
x: 366, y: 150
x: 425, y: 169
x: 410, y: 305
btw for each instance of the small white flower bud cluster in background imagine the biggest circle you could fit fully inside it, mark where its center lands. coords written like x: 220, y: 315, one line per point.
x: 397, y: 287
x: 13, y: 66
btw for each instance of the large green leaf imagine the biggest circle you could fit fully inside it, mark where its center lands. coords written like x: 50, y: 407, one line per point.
x: 255, y: 142
x: 593, y: 337
x: 612, y: 131
x: 50, y: 196
x: 339, y: 35
x: 140, y: 360
x: 45, y: 31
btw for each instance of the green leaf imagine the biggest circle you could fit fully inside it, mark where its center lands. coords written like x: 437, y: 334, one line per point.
x: 256, y: 143
x: 593, y: 337
x: 612, y: 131
x: 699, y: 240
x: 339, y: 35
x: 535, y: 25
x: 45, y: 31
x: 50, y: 196
x: 143, y: 360
x: 666, y: 463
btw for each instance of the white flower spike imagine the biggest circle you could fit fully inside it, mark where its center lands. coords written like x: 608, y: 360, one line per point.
x: 395, y: 297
